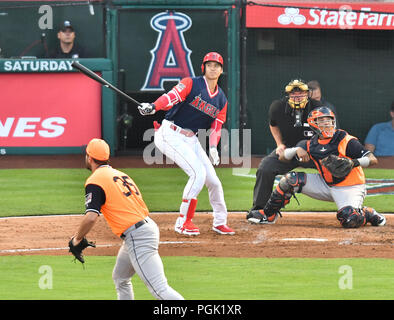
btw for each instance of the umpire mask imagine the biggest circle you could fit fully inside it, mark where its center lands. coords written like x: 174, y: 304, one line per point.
x: 297, y: 98
x: 297, y: 94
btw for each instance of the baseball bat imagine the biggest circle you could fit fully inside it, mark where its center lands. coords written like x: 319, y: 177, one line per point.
x: 105, y: 83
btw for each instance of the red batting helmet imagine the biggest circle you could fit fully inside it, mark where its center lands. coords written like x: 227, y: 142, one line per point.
x: 211, y: 56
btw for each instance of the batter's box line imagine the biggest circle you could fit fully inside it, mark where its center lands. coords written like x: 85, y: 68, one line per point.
x: 97, y: 246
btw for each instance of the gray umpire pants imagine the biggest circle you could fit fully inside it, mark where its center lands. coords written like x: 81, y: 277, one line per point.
x: 139, y: 254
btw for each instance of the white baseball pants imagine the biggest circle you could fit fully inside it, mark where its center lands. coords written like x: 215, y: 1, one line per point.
x: 189, y: 155
x: 139, y: 254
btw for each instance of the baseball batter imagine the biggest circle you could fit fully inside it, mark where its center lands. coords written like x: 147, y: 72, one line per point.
x: 114, y: 194
x: 194, y: 103
x: 344, y: 186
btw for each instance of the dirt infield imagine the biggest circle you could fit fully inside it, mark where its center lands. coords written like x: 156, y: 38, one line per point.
x: 316, y: 235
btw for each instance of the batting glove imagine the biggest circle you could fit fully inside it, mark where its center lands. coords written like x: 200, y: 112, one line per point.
x: 213, y: 152
x: 147, y: 109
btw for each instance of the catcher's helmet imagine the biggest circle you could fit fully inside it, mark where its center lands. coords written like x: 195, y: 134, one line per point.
x: 325, y: 128
x: 211, y: 56
x: 297, y: 85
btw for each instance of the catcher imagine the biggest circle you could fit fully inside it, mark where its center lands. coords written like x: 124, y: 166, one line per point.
x: 339, y: 158
x: 115, y: 195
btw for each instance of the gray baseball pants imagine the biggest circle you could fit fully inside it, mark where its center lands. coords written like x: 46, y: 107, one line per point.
x: 317, y: 188
x: 139, y: 254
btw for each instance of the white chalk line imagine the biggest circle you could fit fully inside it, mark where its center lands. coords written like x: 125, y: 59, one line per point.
x: 348, y: 242
x: 97, y: 246
x: 304, y: 239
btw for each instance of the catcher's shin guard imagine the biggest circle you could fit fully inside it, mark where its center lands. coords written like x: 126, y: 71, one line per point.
x: 289, y: 184
x: 350, y: 217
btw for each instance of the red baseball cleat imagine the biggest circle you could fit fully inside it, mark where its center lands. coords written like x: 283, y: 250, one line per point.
x: 223, y: 229
x: 188, y: 228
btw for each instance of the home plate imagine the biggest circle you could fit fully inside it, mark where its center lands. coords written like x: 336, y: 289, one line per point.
x: 304, y: 239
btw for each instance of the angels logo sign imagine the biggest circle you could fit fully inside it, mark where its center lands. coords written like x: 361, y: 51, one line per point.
x: 170, y: 57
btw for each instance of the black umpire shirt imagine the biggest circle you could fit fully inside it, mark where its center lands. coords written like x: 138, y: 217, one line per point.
x: 281, y: 115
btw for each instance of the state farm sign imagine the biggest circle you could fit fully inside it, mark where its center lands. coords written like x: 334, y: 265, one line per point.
x: 322, y: 15
x: 49, y: 110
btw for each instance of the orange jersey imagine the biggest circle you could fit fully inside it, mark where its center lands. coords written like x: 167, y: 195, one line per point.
x: 338, y: 145
x: 123, y: 206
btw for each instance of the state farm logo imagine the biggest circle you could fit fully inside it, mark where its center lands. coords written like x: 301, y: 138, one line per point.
x: 29, y: 127
x: 343, y: 18
x: 292, y: 15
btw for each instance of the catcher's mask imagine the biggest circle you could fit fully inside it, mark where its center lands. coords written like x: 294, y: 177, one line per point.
x: 322, y: 121
x: 211, y: 56
x: 297, y: 94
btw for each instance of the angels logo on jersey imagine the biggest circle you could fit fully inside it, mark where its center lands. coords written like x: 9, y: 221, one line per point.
x: 170, y: 57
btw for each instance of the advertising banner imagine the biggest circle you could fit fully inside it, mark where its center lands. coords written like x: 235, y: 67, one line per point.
x: 49, y: 110
x: 321, y: 15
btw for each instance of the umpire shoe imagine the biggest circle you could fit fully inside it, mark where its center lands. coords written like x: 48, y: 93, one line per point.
x: 259, y: 217
x: 223, y: 229
x: 376, y: 219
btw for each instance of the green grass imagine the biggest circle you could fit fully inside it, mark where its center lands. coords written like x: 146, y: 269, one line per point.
x: 61, y: 191
x: 197, y: 278
x: 42, y: 191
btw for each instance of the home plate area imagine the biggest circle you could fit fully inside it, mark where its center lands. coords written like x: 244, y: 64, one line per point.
x: 312, y: 234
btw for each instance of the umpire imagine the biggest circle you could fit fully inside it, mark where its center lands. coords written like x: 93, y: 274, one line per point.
x: 288, y: 125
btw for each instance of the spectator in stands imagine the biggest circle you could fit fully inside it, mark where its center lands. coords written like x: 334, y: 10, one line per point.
x: 315, y: 93
x: 380, y: 138
x: 67, y: 47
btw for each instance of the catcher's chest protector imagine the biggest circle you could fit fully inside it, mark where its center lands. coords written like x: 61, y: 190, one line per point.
x: 337, y: 146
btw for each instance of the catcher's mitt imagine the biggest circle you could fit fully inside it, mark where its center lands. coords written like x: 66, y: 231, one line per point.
x: 338, y: 166
x: 77, y: 250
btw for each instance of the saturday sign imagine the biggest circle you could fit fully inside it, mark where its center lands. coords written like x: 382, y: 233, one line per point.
x: 35, y: 65
x: 321, y: 15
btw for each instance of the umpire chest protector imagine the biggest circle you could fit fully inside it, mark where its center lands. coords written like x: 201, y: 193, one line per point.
x: 319, y: 149
x: 200, y: 108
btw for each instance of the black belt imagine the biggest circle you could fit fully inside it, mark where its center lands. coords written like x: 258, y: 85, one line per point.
x: 135, y: 226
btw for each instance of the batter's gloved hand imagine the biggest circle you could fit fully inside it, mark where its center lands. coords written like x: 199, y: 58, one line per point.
x: 339, y: 167
x: 147, y: 109
x: 76, y: 250
x: 213, y: 152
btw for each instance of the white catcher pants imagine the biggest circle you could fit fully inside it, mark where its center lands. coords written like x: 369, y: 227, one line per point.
x: 316, y: 188
x: 139, y: 254
x: 189, y: 155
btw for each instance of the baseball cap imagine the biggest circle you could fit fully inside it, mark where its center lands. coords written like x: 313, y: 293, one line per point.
x: 392, y: 106
x: 98, y: 149
x: 66, y: 25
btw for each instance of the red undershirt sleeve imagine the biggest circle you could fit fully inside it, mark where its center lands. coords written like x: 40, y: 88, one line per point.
x: 216, y: 127
x: 176, y: 95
